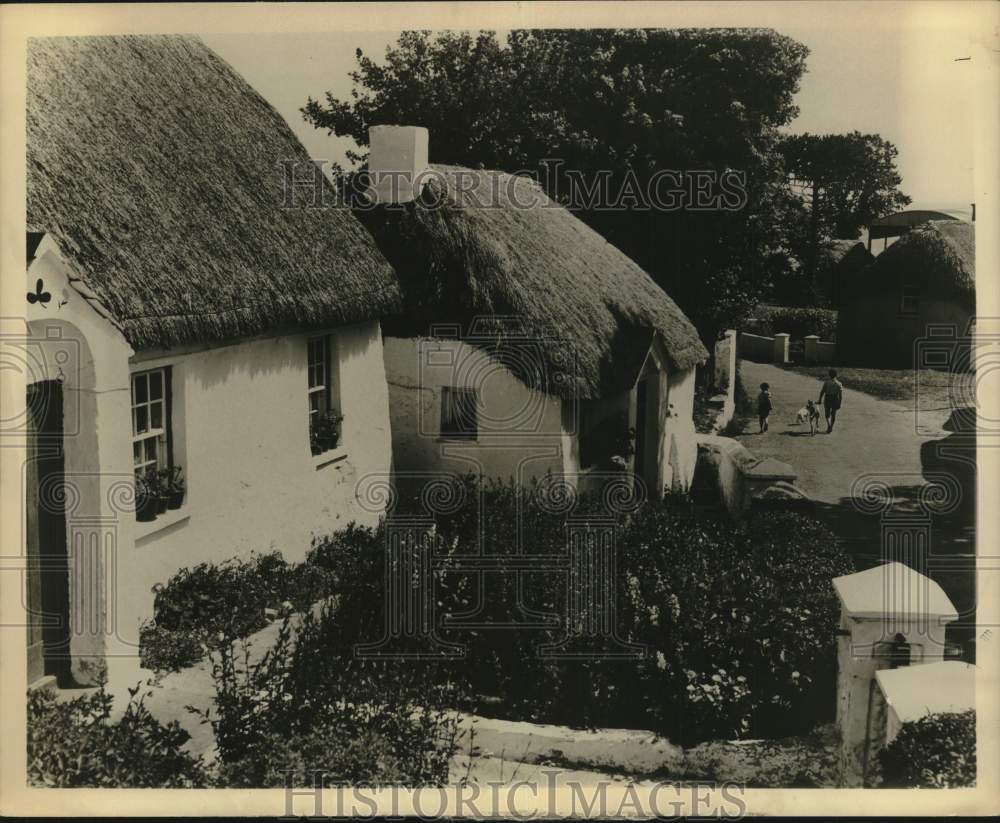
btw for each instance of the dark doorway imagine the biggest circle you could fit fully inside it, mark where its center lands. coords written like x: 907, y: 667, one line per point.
x: 48, y: 568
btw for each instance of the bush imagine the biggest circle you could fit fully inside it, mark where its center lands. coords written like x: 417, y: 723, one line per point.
x: 738, y: 623
x: 935, y: 752
x: 305, y: 706
x: 212, y: 604
x: 798, y: 322
x: 75, y: 743
x: 735, y: 624
x: 162, y: 650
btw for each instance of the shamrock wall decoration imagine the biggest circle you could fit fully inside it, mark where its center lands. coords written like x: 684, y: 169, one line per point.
x: 39, y: 296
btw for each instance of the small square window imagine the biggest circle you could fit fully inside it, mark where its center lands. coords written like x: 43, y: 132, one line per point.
x: 910, y: 302
x: 459, y: 413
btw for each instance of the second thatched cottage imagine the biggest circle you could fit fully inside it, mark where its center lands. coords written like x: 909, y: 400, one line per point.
x: 181, y: 323
x: 529, y: 345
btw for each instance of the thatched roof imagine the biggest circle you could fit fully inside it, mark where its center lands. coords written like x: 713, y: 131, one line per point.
x: 939, y: 256
x: 846, y: 253
x: 160, y: 174
x: 482, y: 243
x: 842, y: 266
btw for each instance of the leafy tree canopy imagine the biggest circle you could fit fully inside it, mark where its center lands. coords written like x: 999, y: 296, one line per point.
x: 854, y: 176
x: 624, y: 103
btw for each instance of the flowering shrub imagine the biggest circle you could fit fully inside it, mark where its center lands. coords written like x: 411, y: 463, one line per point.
x: 75, y: 743
x: 740, y: 629
x: 305, y: 706
x: 935, y: 752
x: 735, y: 625
x: 214, y: 603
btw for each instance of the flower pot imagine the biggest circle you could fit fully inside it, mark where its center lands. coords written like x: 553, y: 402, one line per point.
x: 161, y: 503
x: 175, y: 500
x: 145, y: 508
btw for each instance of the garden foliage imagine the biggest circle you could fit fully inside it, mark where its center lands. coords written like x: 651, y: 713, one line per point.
x: 935, y: 752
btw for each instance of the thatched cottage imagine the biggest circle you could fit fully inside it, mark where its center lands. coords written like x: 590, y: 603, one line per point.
x: 186, y: 332
x: 841, y: 263
x: 921, y: 288
x: 529, y: 344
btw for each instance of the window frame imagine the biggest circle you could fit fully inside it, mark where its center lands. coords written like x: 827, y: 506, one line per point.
x: 323, y: 380
x: 910, y: 293
x: 451, y: 427
x: 162, y: 434
x: 325, y: 386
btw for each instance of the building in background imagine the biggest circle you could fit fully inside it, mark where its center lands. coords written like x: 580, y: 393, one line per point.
x: 529, y: 345
x: 922, y: 287
x: 183, y: 323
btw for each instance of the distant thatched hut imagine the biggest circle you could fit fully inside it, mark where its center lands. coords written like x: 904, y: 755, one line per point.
x: 182, y: 316
x: 529, y: 344
x: 921, y: 287
x: 842, y: 262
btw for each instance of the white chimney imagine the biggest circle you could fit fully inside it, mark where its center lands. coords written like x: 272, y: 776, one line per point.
x: 397, y: 162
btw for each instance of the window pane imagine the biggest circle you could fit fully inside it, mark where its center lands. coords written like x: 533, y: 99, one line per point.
x: 156, y: 415
x: 150, y: 448
x: 140, y: 394
x: 155, y: 385
x: 137, y: 452
x: 458, y: 413
x: 141, y: 419
x: 317, y: 401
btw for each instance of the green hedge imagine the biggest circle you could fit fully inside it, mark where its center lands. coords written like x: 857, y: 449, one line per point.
x: 211, y: 603
x: 75, y: 743
x: 735, y: 625
x: 935, y: 752
x: 798, y: 322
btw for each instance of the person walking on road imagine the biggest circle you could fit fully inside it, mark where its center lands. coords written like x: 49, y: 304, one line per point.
x: 764, y: 406
x: 831, y: 396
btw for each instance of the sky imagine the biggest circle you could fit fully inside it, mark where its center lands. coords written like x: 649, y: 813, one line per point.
x: 874, y: 68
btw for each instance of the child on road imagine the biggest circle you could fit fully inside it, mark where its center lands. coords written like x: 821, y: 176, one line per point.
x: 764, y: 405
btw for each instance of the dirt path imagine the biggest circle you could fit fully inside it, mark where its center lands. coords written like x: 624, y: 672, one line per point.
x: 871, y: 436
x: 877, y: 442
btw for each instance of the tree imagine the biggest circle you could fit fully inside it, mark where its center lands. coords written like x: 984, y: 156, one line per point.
x: 628, y: 105
x: 848, y: 180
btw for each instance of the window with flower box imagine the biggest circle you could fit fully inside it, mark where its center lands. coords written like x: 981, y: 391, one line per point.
x: 324, y: 394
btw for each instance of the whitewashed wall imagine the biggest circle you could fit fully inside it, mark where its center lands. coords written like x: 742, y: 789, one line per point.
x: 521, y: 431
x: 240, y: 430
x: 680, y: 442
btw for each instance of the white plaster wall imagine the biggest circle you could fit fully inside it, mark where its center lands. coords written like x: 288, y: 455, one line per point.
x: 680, y: 442
x: 522, y: 433
x: 241, y: 434
x: 70, y: 341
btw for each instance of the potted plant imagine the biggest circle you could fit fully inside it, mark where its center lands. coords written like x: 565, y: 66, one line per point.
x: 160, y: 488
x: 146, y: 498
x: 324, y: 432
x: 173, y: 481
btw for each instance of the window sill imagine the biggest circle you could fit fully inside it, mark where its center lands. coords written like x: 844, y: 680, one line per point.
x: 328, y: 457
x: 163, y: 521
x: 458, y: 440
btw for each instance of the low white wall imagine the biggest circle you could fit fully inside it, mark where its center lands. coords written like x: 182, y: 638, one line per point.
x: 819, y: 351
x: 241, y: 434
x: 756, y: 347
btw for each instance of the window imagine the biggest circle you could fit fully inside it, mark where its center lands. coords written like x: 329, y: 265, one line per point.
x: 150, y: 421
x: 319, y: 377
x: 324, y: 394
x: 910, y: 304
x: 459, y: 418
